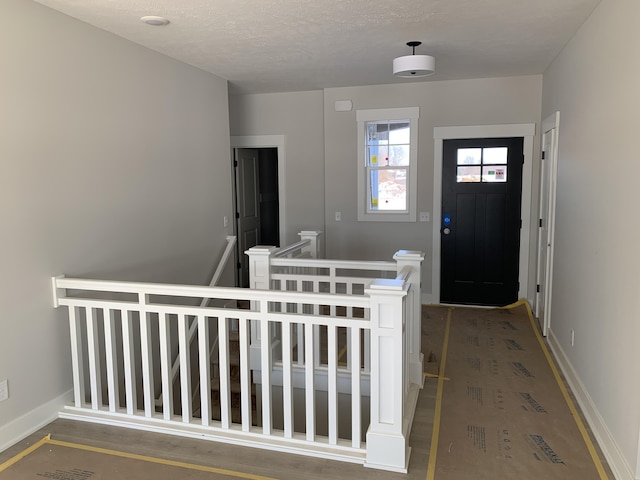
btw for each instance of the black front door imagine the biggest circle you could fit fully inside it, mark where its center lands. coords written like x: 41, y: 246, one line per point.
x: 480, y: 231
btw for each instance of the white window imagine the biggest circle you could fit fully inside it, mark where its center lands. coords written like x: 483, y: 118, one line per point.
x: 387, y: 164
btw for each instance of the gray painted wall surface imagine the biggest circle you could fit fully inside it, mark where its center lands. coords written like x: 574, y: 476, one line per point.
x: 298, y: 116
x: 321, y: 152
x: 594, y: 84
x: 447, y: 103
x: 115, y: 164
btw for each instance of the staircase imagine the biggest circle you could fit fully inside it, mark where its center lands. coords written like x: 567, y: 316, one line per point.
x: 235, y: 387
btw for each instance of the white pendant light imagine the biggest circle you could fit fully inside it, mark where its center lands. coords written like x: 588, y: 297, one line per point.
x: 412, y: 66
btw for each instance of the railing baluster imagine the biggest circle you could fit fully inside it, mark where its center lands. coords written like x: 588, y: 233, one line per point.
x: 287, y: 383
x: 332, y: 289
x: 185, y: 367
x: 349, y: 362
x: 367, y: 351
x: 148, y: 384
x: 110, y: 358
x: 225, y: 384
x: 93, y: 352
x: 205, y: 370
x: 356, y: 396
x: 316, y: 345
x: 310, y: 389
x: 76, y: 358
x: 165, y: 366
x: 131, y: 399
x: 265, y: 366
x: 300, y: 334
x: 245, y: 377
x: 332, y: 383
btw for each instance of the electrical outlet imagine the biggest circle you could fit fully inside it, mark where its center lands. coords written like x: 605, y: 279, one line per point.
x: 338, y: 216
x: 4, y: 390
x: 424, y: 216
x: 225, y: 221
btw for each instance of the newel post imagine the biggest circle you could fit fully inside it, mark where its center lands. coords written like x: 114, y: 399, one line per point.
x: 259, y: 279
x: 387, y: 442
x: 260, y: 266
x: 413, y: 260
x: 314, y: 249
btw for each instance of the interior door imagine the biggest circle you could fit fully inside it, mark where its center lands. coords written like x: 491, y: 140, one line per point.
x: 548, y: 167
x: 480, y: 231
x: 248, y: 208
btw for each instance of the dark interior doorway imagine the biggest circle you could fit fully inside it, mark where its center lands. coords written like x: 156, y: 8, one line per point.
x: 256, y: 203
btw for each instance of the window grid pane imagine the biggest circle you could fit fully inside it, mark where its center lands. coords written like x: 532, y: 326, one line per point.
x: 388, y: 187
x: 494, y: 173
x: 489, y: 165
x: 388, y: 144
x: 495, y: 155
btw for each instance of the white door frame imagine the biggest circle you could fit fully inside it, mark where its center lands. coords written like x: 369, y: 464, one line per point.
x: 552, y: 122
x: 268, y: 141
x: 525, y: 130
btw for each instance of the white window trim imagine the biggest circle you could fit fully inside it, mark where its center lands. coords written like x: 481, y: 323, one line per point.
x: 408, y: 113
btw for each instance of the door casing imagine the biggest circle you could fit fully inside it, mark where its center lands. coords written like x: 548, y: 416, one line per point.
x: 527, y: 132
x: 550, y: 128
x: 257, y: 142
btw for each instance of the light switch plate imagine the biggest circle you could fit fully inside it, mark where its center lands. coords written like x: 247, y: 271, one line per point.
x: 4, y: 390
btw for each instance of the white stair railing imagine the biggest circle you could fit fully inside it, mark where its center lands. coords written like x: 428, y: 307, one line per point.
x: 269, y: 271
x: 350, y: 277
x: 141, y: 321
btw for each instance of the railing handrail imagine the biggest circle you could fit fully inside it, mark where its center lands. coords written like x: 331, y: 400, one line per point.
x: 192, y: 291
x: 404, y: 274
x: 284, y: 251
x: 226, y: 255
x: 381, y: 266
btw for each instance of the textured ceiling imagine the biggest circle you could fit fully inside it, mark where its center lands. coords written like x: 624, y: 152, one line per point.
x: 293, y: 45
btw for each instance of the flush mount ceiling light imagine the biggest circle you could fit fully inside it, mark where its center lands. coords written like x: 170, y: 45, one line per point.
x: 155, y: 20
x: 412, y: 66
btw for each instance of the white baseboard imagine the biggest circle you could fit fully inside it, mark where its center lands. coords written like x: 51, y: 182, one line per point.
x: 23, y: 426
x: 618, y: 464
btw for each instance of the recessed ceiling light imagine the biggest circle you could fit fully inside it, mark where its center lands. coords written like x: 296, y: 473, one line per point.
x: 155, y: 20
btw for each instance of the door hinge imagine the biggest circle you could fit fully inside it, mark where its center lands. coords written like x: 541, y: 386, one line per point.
x: 537, y: 288
x: 237, y: 214
x: 540, y: 223
x: 235, y: 163
x: 239, y: 266
x: 542, y: 156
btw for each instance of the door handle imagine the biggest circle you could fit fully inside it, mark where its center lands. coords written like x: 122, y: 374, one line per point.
x: 446, y: 230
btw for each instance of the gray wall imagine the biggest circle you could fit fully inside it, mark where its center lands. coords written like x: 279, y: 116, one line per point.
x: 445, y: 103
x: 321, y: 152
x: 298, y: 116
x: 115, y: 164
x: 594, y: 83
